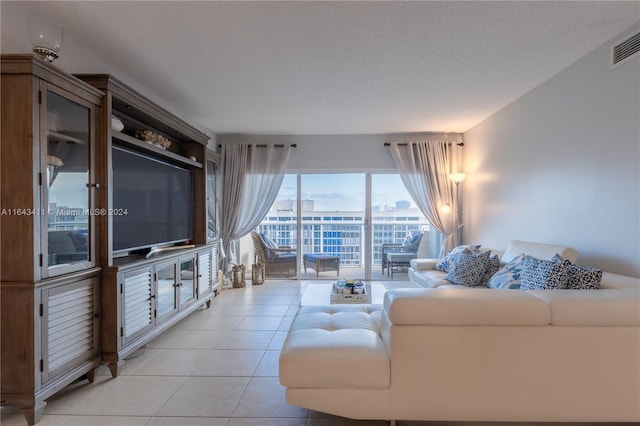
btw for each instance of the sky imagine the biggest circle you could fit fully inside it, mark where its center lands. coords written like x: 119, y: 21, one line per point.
x: 345, y: 192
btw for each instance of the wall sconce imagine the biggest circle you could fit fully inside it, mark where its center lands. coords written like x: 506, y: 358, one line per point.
x: 46, y: 39
x: 457, y: 177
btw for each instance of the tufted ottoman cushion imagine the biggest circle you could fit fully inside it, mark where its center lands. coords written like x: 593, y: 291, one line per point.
x: 336, y: 346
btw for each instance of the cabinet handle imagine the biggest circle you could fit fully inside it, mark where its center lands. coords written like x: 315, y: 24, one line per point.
x: 93, y: 185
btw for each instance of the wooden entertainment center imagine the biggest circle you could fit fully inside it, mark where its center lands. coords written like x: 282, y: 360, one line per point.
x: 69, y: 301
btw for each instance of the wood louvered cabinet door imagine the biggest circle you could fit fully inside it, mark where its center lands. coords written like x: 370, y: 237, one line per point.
x: 70, y: 327
x: 137, y: 312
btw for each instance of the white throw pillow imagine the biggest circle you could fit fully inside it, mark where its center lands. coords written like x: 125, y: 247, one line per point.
x: 423, y: 264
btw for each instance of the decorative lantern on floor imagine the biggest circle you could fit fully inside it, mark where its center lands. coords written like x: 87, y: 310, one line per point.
x: 237, y: 272
x: 257, y: 273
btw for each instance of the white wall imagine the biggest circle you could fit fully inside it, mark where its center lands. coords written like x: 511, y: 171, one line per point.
x: 74, y: 58
x: 338, y: 153
x: 561, y: 165
x: 332, y: 153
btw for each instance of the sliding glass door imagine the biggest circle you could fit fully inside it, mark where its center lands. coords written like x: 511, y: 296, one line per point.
x: 345, y: 217
x: 332, y: 220
x: 394, y: 217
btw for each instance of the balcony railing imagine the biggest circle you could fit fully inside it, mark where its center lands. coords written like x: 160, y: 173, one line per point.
x: 340, y: 236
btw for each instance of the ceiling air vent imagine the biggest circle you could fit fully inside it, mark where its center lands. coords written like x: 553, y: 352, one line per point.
x: 626, y: 49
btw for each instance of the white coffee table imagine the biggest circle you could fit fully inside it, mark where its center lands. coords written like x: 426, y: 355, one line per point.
x: 320, y: 294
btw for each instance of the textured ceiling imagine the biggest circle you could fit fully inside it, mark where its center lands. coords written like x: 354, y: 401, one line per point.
x: 340, y: 67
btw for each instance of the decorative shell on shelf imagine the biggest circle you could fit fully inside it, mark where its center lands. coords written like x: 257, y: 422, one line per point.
x: 154, y: 138
x: 162, y: 142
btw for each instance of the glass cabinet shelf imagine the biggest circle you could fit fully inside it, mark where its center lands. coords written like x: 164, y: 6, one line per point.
x: 61, y: 137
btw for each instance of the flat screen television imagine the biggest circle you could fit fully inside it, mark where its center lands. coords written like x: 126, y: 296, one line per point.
x: 152, y: 202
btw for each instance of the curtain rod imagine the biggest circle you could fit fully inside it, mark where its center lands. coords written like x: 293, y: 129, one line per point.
x: 293, y: 145
x: 405, y: 144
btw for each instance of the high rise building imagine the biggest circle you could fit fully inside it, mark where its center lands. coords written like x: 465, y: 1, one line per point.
x: 342, y: 233
x: 403, y: 205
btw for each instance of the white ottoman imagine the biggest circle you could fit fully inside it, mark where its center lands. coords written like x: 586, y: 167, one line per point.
x: 335, y: 347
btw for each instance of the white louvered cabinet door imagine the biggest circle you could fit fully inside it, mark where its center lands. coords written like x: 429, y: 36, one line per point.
x: 204, y: 273
x: 214, y: 268
x: 137, y: 303
x: 70, y: 326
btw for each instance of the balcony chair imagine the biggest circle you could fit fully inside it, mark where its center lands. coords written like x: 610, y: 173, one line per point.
x: 396, y: 257
x: 276, y: 259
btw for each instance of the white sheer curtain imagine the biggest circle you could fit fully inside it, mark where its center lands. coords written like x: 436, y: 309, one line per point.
x: 252, y: 175
x: 424, y: 167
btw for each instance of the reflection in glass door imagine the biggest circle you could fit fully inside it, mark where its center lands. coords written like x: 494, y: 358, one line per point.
x: 67, y: 178
x: 187, y: 280
x: 165, y: 289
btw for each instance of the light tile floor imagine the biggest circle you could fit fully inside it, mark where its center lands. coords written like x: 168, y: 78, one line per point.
x: 219, y: 366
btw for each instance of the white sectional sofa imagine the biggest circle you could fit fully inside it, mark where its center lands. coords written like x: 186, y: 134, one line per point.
x: 472, y: 354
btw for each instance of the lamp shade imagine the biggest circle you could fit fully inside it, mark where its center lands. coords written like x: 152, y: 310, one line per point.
x: 457, y: 177
x: 445, y: 209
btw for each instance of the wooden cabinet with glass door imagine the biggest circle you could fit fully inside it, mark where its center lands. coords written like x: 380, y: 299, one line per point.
x: 150, y: 275
x: 152, y: 295
x: 50, y: 273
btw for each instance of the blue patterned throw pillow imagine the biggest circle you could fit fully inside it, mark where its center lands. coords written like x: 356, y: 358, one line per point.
x: 538, y: 274
x: 581, y: 277
x: 494, y: 266
x: 448, y: 262
x: 510, y: 276
x: 584, y: 278
x: 469, y: 269
x: 411, y: 242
